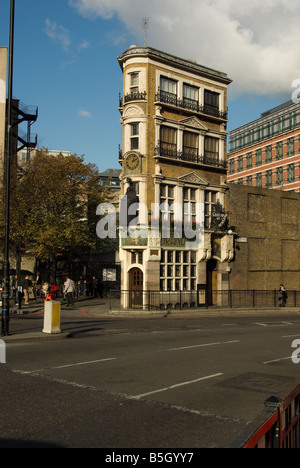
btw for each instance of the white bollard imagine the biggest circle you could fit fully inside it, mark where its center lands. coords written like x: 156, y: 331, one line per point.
x: 2, y: 352
x: 51, y: 317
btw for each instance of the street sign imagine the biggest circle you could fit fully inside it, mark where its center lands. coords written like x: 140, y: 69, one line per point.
x: 22, y: 249
x: 109, y: 274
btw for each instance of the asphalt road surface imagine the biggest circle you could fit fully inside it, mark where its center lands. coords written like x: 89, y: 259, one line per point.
x: 184, y: 383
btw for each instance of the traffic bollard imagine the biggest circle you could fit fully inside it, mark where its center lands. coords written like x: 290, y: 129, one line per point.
x: 51, y: 317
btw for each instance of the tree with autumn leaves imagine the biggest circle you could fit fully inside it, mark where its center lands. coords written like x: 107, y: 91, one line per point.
x: 53, y: 207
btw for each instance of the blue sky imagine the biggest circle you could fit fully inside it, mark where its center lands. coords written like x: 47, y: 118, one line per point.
x: 65, y: 59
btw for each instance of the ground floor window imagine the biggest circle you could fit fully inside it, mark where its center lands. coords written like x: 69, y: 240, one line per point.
x: 137, y: 257
x: 178, y: 270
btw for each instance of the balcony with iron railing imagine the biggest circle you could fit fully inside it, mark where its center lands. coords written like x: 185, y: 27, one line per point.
x: 171, y: 99
x: 191, y: 155
x: 130, y: 97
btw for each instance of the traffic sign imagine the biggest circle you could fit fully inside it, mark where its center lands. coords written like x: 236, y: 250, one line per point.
x: 22, y: 249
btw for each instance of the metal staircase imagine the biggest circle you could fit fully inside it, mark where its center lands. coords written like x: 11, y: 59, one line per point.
x: 22, y: 113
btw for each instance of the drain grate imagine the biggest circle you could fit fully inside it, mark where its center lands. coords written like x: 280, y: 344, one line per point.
x: 256, y: 382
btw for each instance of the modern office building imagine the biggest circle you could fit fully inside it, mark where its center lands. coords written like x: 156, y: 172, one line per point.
x: 25, y: 156
x: 173, y: 158
x: 266, y: 152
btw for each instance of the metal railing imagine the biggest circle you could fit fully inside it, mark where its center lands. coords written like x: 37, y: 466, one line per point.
x: 208, y: 159
x: 133, y: 96
x: 152, y: 300
x: 29, y: 140
x: 172, y: 99
x: 280, y: 430
x: 30, y: 111
x: 180, y: 300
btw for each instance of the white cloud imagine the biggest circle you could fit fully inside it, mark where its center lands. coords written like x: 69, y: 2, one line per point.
x: 83, y: 45
x: 59, y: 34
x: 62, y: 37
x: 84, y: 113
x: 256, y: 43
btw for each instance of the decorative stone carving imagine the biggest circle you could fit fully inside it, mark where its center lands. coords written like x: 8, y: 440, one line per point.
x: 158, y: 111
x: 132, y: 111
x: 227, y: 248
x: 192, y: 177
x: 157, y: 169
x: 195, y: 123
x: 205, y: 250
x: 154, y: 239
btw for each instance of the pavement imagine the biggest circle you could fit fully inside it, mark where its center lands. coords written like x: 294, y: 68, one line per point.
x: 92, y: 307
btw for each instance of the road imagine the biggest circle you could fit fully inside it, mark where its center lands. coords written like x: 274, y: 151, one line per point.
x: 143, y: 382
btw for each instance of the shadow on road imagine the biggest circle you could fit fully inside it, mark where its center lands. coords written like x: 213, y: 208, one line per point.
x: 11, y: 443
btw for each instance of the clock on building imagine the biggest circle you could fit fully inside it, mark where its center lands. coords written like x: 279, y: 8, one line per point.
x: 132, y: 161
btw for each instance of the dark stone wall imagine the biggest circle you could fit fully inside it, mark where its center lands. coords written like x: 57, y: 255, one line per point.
x: 269, y: 221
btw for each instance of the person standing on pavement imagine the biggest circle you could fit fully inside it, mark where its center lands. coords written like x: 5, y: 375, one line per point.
x: 282, y: 296
x: 95, y: 286
x: 81, y: 286
x: 69, y: 290
x: 26, y: 285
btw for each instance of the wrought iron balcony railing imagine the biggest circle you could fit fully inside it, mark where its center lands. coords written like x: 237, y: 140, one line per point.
x: 210, y: 158
x: 135, y: 96
x: 189, y: 104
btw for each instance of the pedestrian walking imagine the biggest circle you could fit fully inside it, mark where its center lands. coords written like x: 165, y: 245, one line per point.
x: 15, y: 288
x: 282, y: 296
x: 11, y: 287
x: 54, y: 289
x: 69, y: 290
x: 45, y: 289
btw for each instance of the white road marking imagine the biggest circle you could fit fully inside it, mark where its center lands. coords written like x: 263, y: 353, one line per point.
x: 83, y: 363
x: 291, y: 336
x: 18, y: 371
x: 183, y: 409
x: 203, y: 345
x: 272, y: 324
x: 176, y: 386
x: 63, y: 367
x: 277, y: 360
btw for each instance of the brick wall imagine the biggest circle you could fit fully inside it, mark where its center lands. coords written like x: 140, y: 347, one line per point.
x: 267, y: 223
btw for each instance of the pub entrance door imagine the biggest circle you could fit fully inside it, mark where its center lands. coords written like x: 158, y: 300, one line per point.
x: 212, y: 281
x: 135, y: 288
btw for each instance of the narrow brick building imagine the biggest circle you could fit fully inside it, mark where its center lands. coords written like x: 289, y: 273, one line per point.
x: 174, y: 119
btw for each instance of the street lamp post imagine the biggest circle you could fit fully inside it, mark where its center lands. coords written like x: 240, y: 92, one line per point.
x: 7, y: 162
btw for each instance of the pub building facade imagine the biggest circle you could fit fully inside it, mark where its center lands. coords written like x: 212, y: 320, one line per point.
x: 173, y: 158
